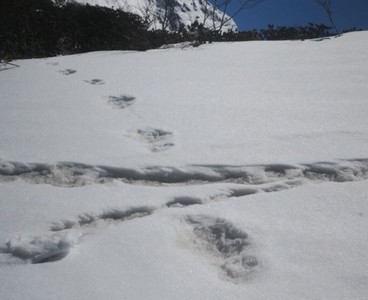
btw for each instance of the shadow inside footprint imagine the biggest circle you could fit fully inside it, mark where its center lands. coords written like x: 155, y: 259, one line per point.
x: 183, y: 201
x: 67, y: 71
x: 45, y: 258
x: 242, y: 192
x: 95, y: 81
x: 121, y: 101
x: 152, y: 135
x: 129, y: 214
x: 158, y: 139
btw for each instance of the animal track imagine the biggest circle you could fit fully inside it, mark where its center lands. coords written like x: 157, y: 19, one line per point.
x: 231, y: 246
x: 95, y: 81
x: 42, y: 249
x: 158, y: 139
x: 66, y: 234
x: 153, y: 135
x: 87, y: 220
x: 67, y: 71
x: 121, y: 101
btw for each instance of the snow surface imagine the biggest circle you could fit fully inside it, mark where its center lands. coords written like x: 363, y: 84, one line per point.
x: 227, y: 171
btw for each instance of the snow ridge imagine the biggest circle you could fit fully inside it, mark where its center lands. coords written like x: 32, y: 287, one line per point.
x: 69, y: 174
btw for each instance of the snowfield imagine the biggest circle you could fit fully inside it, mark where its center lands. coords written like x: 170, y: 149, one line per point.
x: 227, y: 171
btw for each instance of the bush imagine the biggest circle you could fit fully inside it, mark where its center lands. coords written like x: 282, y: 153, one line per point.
x: 39, y: 28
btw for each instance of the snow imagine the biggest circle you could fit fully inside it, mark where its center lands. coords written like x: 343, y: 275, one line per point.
x: 185, y: 12
x: 227, y: 171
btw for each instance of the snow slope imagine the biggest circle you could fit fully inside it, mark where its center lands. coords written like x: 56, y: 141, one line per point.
x: 228, y: 171
x: 185, y: 12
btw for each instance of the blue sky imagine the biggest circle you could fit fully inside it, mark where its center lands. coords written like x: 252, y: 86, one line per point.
x: 346, y: 13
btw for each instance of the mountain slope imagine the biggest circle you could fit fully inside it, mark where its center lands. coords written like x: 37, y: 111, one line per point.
x: 183, y: 12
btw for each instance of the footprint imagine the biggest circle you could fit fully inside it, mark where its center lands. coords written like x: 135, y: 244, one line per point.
x: 67, y: 71
x: 42, y: 249
x: 230, y: 246
x: 121, y: 101
x: 157, y: 139
x: 95, y: 81
x: 153, y: 135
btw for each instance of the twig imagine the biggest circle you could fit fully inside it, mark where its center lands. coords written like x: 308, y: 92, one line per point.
x: 8, y: 63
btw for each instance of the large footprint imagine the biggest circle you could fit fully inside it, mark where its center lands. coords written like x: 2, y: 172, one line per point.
x: 121, y: 101
x: 41, y: 249
x: 68, y: 71
x: 157, y: 139
x: 95, y: 81
x: 229, y: 246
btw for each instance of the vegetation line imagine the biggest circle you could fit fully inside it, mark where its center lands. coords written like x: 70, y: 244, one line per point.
x: 41, y: 28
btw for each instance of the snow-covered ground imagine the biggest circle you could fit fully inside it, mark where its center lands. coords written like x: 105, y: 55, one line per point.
x: 228, y: 171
